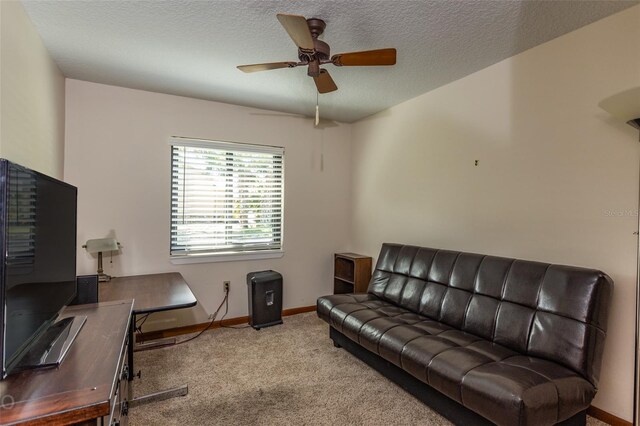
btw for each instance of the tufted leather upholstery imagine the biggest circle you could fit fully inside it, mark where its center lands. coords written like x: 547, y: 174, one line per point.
x: 517, y: 342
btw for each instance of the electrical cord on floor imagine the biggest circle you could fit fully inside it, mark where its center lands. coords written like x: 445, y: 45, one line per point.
x: 226, y: 311
x: 140, y: 321
x: 213, y: 319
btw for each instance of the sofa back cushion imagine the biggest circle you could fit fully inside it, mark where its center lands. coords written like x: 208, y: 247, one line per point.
x: 549, y: 311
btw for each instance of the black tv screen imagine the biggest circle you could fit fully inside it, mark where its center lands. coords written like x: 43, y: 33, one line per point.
x: 38, y: 260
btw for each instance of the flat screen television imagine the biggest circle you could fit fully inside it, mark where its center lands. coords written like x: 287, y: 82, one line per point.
x: 37, y: 266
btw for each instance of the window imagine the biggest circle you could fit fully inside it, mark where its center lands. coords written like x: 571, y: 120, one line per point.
x: 226, y: 198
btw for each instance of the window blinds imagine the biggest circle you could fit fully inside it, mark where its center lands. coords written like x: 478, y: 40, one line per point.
x: 225, y: 197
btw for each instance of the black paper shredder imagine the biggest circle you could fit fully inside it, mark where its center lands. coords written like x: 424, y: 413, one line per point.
x: 265, y: 298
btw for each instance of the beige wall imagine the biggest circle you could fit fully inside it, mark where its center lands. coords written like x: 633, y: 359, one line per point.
x: 117, y: 153
x: 31, y: 95
x: 557, y: 178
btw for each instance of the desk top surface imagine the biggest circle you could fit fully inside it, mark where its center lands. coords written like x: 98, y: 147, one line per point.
x: 151, y: 293
x: 81, y: 387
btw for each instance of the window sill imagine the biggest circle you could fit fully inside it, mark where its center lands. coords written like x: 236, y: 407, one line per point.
x: 225, y: 257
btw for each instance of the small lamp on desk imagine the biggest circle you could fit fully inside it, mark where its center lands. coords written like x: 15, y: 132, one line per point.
x: 100, y: 245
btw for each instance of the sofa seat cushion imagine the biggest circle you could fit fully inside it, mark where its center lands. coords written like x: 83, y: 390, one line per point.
x: 499, y: 383
x: 349, y: 304
x: 526, y: 390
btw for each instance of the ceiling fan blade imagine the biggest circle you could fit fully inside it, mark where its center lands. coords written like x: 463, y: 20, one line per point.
x: 324, y: 82
x: 298, y: 30
x: 366, y: 58
x: 267, y: 66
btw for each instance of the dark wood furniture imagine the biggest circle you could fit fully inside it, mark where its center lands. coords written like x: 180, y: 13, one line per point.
x: 352, y: 273
x: 151, y: 293
x: 89, y: 387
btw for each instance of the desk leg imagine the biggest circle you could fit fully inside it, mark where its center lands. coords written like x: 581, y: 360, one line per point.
x: 156, y: 396
x: 132, y: 329
x: 159, y: 396
x: 157, y: 343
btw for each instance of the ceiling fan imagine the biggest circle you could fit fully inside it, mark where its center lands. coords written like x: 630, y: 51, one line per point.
x: 313, y: 52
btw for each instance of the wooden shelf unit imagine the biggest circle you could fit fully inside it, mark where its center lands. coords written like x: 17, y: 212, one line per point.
x: 351, y: 273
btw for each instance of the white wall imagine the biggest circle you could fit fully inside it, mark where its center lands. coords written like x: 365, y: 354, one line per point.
x: 31, y: 95
x: 117, y: 153
x: 557, y: 178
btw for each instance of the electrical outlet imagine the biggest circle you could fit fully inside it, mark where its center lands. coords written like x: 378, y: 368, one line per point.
x: 226, y: 286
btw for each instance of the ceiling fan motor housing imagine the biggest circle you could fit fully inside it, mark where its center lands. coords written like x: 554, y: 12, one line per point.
x: 321, y: 50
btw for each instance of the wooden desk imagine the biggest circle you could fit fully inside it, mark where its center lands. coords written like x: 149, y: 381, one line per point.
x: 151, y: 293
x: 87, y: 385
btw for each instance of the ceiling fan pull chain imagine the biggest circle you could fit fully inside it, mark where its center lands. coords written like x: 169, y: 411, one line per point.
x: 317, y: 111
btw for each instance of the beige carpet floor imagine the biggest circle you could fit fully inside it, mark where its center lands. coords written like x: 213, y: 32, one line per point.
x: 288, y: 374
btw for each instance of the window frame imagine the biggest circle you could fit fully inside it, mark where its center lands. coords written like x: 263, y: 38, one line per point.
x: 230, y: 255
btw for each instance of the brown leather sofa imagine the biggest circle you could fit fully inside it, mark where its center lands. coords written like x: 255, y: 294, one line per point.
x: 481, y: 339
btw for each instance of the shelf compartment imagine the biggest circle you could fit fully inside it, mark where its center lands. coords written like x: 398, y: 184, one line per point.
x: 344, y: 269
x: 341, y: 286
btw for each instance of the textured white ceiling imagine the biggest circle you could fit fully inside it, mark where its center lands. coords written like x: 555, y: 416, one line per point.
x: 191, y: 48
